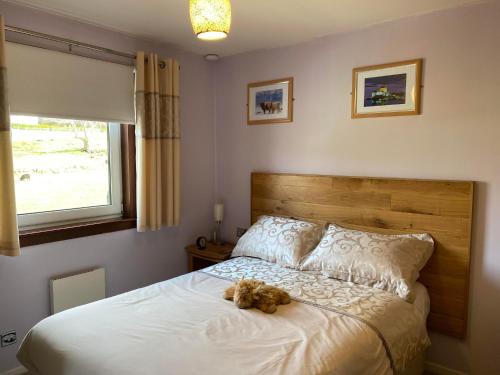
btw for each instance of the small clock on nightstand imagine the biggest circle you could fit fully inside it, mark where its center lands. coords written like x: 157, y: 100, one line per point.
x: 212, y: 254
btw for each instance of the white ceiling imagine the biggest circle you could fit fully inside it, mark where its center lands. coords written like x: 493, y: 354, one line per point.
x: 256, y: 24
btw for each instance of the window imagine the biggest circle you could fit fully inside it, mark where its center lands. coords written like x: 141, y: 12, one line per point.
x: 66, y: 170
x: 71, y: 175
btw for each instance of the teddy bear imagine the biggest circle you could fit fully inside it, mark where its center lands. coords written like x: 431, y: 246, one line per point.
x: 254, y: 293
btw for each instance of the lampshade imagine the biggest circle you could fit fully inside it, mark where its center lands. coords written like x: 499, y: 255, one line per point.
x: 211, y: 19
x: 219, y: 212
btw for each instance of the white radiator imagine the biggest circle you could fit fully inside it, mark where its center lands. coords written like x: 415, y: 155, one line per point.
x: 73, y: 290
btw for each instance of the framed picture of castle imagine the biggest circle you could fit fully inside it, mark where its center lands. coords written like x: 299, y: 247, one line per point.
x: 387, y: 90
x: 270, y: 102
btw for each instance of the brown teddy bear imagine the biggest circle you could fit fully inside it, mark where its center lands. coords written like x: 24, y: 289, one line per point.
x: 254, y: 293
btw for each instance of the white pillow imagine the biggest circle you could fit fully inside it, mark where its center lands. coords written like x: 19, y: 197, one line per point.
x: 280, y: 240
x: 389, y: 262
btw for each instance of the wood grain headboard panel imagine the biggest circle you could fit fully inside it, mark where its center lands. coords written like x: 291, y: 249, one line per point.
x: 385, y: 205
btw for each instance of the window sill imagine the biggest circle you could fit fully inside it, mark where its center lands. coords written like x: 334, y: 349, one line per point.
x: 66, y: 232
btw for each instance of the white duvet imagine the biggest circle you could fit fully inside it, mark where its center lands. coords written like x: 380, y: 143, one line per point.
x: 184, y: 326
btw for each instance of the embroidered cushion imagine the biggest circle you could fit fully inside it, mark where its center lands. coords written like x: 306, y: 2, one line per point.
x: 389, y: 262
x: 280, y: 240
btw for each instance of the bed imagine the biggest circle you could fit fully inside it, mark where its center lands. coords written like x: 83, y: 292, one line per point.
x: 183, y: 326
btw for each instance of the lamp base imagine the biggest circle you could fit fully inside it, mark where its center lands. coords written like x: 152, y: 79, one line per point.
x: 216, y: 235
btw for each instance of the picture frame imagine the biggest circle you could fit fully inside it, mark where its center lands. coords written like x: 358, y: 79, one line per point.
x: 392, y: 89
x: 270, y: 102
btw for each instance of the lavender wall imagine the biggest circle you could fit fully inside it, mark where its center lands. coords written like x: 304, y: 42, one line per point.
x: 131, y: 259
x: 456, y: 137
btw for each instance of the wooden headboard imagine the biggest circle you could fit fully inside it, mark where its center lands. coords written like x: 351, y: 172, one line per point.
x: 385, y: 205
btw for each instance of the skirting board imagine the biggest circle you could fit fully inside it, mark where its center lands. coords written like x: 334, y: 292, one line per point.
x: 16, y: 371
x: 436, y: 369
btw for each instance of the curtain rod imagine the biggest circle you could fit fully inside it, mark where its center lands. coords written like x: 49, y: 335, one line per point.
x: 70, y: 43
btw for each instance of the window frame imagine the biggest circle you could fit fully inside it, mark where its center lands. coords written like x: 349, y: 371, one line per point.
x: 94, y: 226
x: 77, y: 214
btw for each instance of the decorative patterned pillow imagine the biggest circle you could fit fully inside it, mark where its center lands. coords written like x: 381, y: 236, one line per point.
x: 389, y: 262
x: 280, y: 240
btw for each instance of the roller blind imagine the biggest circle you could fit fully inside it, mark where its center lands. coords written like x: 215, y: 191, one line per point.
x: 55, y: 84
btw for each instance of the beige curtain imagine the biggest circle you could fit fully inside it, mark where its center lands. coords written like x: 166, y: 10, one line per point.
x: 158, y: 142
x: 9, y: 236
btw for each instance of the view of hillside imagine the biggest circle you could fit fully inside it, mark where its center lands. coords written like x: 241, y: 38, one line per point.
x: 59, y: 164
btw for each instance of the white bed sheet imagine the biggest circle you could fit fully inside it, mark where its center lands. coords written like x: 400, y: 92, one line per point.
x: 183, y: 326
x: 422, y: 301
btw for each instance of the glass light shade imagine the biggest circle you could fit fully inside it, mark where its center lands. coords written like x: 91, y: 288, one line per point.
x: 211, y: 19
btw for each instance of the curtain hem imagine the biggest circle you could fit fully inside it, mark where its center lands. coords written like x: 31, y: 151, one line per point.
x: 10, y: 253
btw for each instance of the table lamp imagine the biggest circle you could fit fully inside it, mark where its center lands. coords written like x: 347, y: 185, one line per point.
x: 218, y: 216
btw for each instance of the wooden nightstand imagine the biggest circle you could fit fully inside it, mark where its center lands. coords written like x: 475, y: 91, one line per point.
x: 201, y: 258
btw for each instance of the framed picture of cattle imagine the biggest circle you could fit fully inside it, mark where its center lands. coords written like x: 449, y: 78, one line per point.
x: 270, y: 102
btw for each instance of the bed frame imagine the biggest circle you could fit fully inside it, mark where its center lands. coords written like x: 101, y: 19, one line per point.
x: 384, y: 205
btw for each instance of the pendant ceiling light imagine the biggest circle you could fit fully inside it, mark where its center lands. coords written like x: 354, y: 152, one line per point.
x: 211, y: 19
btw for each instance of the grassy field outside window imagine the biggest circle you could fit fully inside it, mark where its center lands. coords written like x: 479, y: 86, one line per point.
x: 60, y: 164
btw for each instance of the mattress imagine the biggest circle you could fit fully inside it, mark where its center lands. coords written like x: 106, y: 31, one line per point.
x: 183, y: 326
x: 422, y: 301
